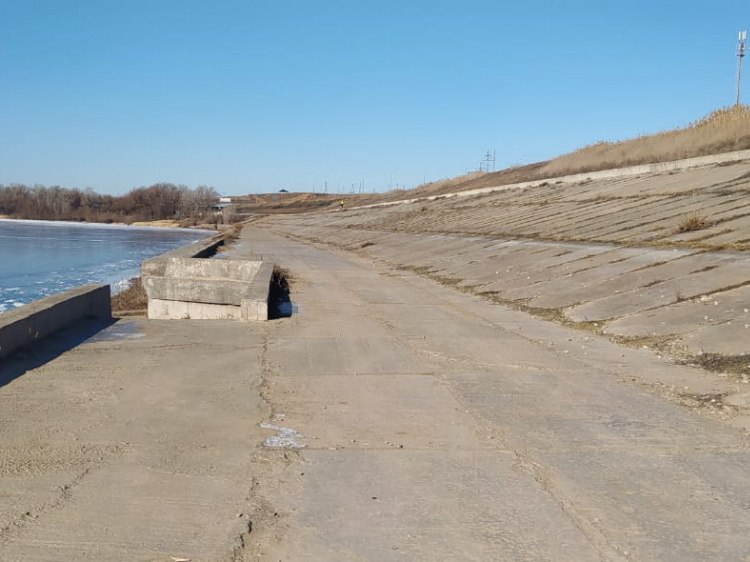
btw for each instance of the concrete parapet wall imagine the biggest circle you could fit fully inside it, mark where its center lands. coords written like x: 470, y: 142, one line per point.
x: 29, y: 323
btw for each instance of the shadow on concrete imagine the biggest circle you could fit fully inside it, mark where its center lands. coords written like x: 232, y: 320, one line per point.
x: 279, y: 296
x: 44, y: 351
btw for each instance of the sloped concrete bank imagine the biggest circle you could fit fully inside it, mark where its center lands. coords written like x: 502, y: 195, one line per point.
x: 617, y: 257
x: 693, y: 305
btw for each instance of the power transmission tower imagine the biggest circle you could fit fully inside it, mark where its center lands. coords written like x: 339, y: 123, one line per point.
x: 740, y: 56
x: 488, y: 163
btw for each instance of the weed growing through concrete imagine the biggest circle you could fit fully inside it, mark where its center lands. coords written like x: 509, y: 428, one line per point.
x: 231, y: 235
x: 734, y: 364
x: 696, y: 220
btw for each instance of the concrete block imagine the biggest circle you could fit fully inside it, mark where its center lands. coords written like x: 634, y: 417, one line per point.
x: 160, y: 309
x: 177, y: 310
x: 208, y: 289
x: 236, y: 270
x: 254, y: 304
x: 253, y: 310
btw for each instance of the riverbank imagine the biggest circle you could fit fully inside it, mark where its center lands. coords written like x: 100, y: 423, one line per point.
x: 421, y: 412
x: 167, y: 224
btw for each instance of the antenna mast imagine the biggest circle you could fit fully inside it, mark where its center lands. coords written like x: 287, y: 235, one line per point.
x: 740, y: 55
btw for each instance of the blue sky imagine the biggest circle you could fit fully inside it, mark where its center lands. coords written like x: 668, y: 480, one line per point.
x: 255, y: 96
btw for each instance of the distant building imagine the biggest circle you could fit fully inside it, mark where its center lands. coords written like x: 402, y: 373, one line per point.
x: 220, y: 206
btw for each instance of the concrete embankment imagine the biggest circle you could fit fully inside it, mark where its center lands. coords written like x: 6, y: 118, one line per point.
x: 392, y: 418
x: 657, y: 259
x: 32, y: 322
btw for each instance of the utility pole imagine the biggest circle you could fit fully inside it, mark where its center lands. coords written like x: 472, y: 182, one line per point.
x: 740, y: 56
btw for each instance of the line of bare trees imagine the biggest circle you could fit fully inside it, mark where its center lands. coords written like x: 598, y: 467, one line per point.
x: 155, y: 202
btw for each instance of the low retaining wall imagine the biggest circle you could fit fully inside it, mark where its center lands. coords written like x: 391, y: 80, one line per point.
x: 31, y: 322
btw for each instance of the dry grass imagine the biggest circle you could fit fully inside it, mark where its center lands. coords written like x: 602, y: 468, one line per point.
x: 693, y: 221
x: 230, y: 236
x: 474, y: 180
x: 281, y: 277
x: 723, y: 130
x: 132, y: 300
x: 736, y: 364
x: 442, y: 186
x: 233, y: 232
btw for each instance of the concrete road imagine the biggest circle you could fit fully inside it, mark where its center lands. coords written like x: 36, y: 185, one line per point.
x: 438, y: 427
x: 135, y: 445
x: 390, y: 418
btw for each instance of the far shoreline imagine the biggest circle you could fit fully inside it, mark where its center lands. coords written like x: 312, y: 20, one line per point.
x: 166, y: 224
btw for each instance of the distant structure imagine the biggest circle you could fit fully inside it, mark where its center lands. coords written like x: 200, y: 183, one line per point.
x: 488, y: 162
x: 740, y: 56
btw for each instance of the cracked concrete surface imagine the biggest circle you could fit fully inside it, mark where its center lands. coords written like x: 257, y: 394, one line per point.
x: 428, y: 423
x: 134, y: 445
x: 461, y: 430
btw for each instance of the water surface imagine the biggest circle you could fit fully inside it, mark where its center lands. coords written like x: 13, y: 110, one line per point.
x: 39, y: 258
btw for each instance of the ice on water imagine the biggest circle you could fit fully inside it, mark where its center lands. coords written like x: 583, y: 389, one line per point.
x: 39, y: 258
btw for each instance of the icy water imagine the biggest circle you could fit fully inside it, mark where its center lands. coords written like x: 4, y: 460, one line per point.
x: 39, y: 258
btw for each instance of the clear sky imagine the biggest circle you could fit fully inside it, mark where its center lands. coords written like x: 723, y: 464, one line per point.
x: 256, y: 96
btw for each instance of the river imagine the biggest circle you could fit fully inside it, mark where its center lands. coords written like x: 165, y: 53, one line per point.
x: 39, y: 258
